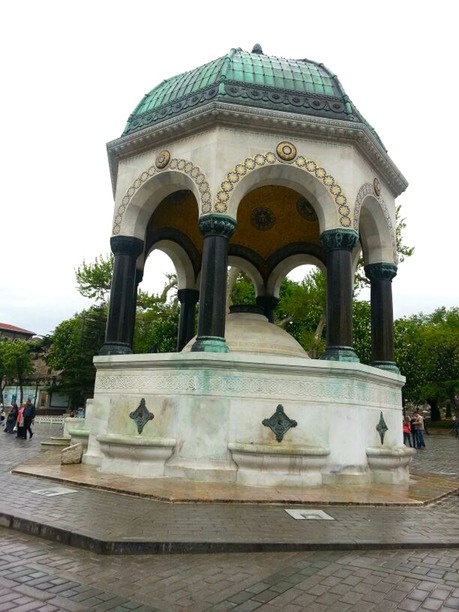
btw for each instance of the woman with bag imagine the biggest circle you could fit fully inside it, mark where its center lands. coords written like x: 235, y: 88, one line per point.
x: 11, y: 419
x: 21, y: 432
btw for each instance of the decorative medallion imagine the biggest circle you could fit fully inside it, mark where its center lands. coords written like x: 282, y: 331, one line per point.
x: 286, y: 151
x: 163, y: 159
x: 141, y: 416
x: 279, y: 423
x: 377, y: 187
x: 305, y: 209
x: 381, y: 428
x: 262, y: 218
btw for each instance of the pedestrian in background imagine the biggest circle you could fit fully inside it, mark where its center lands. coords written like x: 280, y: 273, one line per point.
x: 413, y: 429
x: 419, y: 430
x: 20, y: 429
x: 11, y: 419
x: 29, y: 415
x: 407, y: 431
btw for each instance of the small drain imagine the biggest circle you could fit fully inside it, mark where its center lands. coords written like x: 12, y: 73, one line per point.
x: 309, y: 515
x: 52, y: 491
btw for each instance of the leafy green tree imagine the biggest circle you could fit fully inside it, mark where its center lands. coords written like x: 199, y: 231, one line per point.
x: 5, y: 373
x: 301, y: 311
x: 361, y: 321
x: 427, y: 352
x: 73, y: 346
x: 156, y: 329
x: 16, y: 359
x: 409, y: 355
x: 94, y: 279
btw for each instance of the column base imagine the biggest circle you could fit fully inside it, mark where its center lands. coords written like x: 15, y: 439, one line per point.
x: 210, y: 344
x: 389, y: 366
x: 115, y: 348
x: 340, y: 353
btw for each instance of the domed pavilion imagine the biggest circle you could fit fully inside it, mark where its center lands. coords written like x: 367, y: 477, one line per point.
x: 262, y: 163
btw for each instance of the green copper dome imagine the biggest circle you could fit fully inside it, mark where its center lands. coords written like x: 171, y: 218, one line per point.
x: 248, y: 79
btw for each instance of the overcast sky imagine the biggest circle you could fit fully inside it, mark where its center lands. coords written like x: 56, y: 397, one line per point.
x: 72, y: 72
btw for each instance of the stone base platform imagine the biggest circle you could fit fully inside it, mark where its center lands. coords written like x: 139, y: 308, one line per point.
x: 422, y: 489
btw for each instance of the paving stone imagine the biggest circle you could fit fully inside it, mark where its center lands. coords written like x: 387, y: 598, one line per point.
x: 356, y: 580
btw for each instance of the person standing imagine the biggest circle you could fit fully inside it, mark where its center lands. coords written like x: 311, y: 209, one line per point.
x: 11, y: 419
x: 407, y: 431
x: 419, y: 430
x: 413, y: 429
x: 29, y: 415
x: 20, y: 433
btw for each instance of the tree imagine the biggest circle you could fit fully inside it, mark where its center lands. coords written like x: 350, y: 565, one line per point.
x: 427, y: 351
x: 361, y: 327
x: 94, y: 279
x: 73, y: 346
x: 16, y: 358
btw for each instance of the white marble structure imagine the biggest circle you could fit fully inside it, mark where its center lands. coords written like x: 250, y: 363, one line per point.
x: 264, y: 173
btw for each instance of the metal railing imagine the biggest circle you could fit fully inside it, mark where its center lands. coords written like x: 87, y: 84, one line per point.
x: 49, y: 418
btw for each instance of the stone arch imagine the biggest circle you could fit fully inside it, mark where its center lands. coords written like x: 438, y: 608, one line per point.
x: 136, y: 206
x: 186, y: 277
x: 248, y: 268
x: 331, y: 202
x: 373, y: 221
x: 287, y: 265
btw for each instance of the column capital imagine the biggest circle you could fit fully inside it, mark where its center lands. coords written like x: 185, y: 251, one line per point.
x: 340, y: 238
x: 267, y: 301
x: 217, y: 225
x: 381, y: 271
x: 191, y: 296
x: 126, y: 245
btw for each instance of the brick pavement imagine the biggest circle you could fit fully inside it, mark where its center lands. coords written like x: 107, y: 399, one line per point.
x: 39, y: 574
x: 108, y: 522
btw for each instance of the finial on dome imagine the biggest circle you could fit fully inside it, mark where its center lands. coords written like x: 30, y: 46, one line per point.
x: 257, y: 49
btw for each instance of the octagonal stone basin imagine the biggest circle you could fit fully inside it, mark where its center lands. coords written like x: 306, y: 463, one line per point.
x: 135, y: 455
x: 277, y: 465
x: 389, y: 465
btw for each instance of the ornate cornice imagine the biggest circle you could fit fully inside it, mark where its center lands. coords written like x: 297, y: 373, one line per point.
x: 258, y: 119
x: 380, y: 271
x: 343, y: 239
x: 217, y: 225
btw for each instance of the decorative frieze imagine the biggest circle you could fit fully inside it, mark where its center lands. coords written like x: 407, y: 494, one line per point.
x: 162, y: 162
x: 250, y: 385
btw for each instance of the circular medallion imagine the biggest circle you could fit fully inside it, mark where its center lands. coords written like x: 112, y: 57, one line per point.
x: 377, y: 187
x: 163, y: 159
x: 305, y: 209
x: 286, y: 151
x: 263, y: 218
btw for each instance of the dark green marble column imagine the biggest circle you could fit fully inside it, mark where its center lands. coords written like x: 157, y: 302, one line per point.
x: 338, y: 245
x: 121, y: 313
x: 138, y: 280
x: 217, y: 230
x: 382, y: 317
x: 268, y: 303
x: 188, y: 299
